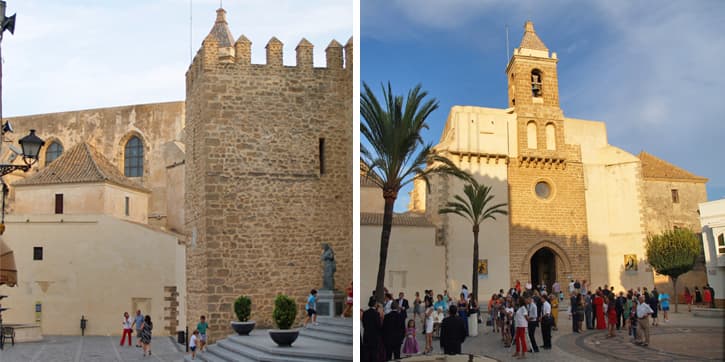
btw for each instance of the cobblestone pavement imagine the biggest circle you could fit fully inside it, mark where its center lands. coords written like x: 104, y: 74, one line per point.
x: 666, y: 344
x: 89, y: 348
x: 684, y: 338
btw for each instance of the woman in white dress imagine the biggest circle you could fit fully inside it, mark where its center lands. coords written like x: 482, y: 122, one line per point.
x: 428, y: 328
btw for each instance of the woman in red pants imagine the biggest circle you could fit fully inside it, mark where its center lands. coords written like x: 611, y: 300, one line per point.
x: 521, y: 324
x: 127, y: 322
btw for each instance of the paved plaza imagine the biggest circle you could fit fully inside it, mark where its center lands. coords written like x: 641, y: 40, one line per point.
x: 90, y: 348
x: 684, y: 338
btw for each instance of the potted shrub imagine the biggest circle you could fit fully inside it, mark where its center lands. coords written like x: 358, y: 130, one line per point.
x: 243, y: 308
x: 284, y: 314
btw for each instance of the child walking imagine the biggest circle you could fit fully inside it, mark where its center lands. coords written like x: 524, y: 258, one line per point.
x: 192, y: 343
x: 311, y: 307
x: 411, y: 345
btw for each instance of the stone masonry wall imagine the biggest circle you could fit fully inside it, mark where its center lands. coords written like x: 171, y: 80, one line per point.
x: 257, y: 205
x: 662, y: 214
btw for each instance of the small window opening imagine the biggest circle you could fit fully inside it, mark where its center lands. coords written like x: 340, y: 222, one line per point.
x: 58, y: 203
x: 675, y: 196
x: 38, y: 253
x: 721, y: 244
x: 127, y: 206
x: 322, y: 156
x: 536, y: 87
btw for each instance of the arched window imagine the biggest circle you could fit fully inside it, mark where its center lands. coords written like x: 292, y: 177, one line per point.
x: 531, y: 134
x: 133, y: 158
x: 52, y: 152
x: 536, y: 83
x: 550, y: 136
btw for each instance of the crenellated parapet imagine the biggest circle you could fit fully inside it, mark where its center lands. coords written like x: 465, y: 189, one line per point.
x: 304, y: 54
x: 243, y: 50
x: 219, y: 50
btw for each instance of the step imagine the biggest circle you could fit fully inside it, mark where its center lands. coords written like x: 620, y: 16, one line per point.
x: 219, y: 354
x: 342, y: 338
x: 331, y: 321
x: 259, y: 344
x: 205, y: 357
x: 255, y: 354
x: 329, y: 329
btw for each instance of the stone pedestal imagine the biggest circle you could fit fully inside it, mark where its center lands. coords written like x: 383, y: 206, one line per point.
x: 330, y: 303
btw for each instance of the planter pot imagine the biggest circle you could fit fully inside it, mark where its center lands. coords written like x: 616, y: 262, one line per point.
x: 284, y: 338
x: 243, y: 328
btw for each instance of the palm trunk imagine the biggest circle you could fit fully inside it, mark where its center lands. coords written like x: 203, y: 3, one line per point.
x: 674, y: 284
x: 390, y: 197
x: 474, y: 283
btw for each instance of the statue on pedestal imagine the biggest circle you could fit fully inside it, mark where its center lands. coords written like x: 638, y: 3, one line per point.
x: 329, y: 267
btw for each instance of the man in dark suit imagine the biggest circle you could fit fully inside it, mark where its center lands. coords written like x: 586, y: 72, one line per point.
x: 393, y: 332
x: 372, y: 339
x: 453, y: 332
x: 533, y: 317
x: 403, y: 304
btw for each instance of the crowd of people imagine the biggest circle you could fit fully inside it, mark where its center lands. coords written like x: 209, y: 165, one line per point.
x: 516, y: 314
x: 143, y: 326
x: 390, y: 326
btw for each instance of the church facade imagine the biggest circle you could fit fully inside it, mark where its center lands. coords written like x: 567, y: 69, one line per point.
x: 579, y: 208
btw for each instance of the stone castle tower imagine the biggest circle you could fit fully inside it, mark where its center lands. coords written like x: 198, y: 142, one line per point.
x: 548, y: 234
x: 268, y: 174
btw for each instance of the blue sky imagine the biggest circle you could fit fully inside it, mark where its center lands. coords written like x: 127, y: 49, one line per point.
x: 652, y: 70
x: 79, y: 54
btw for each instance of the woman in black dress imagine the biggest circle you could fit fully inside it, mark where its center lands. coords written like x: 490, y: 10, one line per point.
x: 146, y: 328
x: 698, y: 297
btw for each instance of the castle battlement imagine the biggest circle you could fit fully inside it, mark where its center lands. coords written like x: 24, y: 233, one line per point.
x: 267, y: 169
x: 219, y: 50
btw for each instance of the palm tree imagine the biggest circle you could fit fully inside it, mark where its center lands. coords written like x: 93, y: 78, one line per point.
x: 474, y: 207
x: 396, y: 155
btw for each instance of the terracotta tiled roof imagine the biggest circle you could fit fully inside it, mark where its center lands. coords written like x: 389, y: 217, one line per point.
x: 80, y: 164
x: 530, y: 39
x: 407, y: 219
x: 657, y: 168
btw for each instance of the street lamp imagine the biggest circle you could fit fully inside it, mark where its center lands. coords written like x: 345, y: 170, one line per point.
x: 31, y: 143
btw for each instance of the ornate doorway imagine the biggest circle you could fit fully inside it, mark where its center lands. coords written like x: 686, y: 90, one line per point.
x: 543, y: 267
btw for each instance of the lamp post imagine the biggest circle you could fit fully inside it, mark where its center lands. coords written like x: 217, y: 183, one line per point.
x: 31, y: 143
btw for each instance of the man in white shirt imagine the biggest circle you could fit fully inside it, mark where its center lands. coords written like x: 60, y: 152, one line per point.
x: 643, y: 313
x: 388, y: 303
x: 571, y: 287
x: 546, y: 321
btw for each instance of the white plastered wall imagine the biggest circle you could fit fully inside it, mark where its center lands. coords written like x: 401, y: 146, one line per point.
x: 478, y: 140
x: 83, y: 198
x: 412, y: 256
x: 712, y: 219
x: 93, y: 265
x: 613, y: 199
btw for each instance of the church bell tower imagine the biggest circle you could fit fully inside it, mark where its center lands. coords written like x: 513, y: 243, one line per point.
x: 547, y: 206
x: 531, y: 73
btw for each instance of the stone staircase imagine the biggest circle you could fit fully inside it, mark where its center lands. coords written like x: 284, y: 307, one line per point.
x: 331, y: 340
